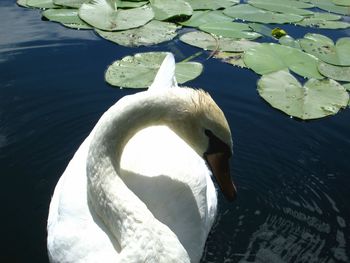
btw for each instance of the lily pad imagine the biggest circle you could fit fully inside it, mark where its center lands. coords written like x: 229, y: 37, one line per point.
x: 211, y: 4
x: 22, y: 3
x: 103, y: 14
x: 331, y: 7
x: 268, y: 57
x: 68, y: 17
x: 233, y: 58
x: 281, y: 6
x: 130, y: 4
x: 199, y: 18
x: 166, y: 9
x: 70, y: 3
x: 316, y: 99
x: 342, y: 2
x: 347, y: 86
x: 334, y: 72
x: 44, y: 4
x: 250, y: 13
x: 289, y: 41
x: 230, y: 29
x: 324, y: 48
x: 210, y: 42
x: 139, y: 71
x: 154, y: 32
x: 324, y: 20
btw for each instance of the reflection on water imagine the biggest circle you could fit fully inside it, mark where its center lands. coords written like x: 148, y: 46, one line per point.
x: 292, y: 176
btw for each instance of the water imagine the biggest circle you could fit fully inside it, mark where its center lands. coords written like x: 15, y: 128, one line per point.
x: 292, y: 176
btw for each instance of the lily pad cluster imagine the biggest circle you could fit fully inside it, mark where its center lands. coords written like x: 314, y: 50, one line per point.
x: 229, y: 30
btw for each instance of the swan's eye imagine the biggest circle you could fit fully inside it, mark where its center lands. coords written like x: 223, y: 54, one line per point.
x: 216, y: 145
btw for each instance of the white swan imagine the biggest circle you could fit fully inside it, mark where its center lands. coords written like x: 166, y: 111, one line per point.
x: 139, y: 189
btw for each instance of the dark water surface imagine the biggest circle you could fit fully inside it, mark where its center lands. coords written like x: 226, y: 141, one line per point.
x: 293, y: 176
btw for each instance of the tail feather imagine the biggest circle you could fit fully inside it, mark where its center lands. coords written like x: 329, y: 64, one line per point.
x: 165, y: 77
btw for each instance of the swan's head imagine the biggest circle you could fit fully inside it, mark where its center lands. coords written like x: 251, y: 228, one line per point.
x: 201, y: 122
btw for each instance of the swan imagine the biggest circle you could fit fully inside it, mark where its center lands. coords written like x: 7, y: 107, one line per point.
x: 139, y: 187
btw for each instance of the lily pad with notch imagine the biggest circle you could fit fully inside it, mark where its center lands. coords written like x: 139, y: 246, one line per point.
x: 210, y: 42
x: 268, y: 57
x: 139, y: 71
x: 315, y: 99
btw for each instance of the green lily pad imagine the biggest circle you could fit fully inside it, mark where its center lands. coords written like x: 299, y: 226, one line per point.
x: 130, y: 4
x: 342, y: 2
x: 324, y: 20
x: 103, y: 14
x: 67, y: 17
x: 324, y: 48
x: 199, y: 18
x: 289, y: 41
x: 154, y: 32
x: 230, y: 29
x: 268, y: 57
x: 334, y: 72
x: 43, y: 4
x: 281, y: 6
x: 233, y: 58
x: 139, y: 71
x: 331, y: 7
x: 210, y: 42
x: 70, y: 3
x: 166, y: 9
x: 250, y: 13
x: 22, y: 3
x: 324, y: 24
x: 347, y: 86
x: 211, y: 4
x: 316, y: 99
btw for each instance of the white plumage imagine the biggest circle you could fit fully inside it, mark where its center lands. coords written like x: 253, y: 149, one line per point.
x: 139, y: 189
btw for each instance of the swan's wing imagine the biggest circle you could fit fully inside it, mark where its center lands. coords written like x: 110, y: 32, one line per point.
x: 165, y: 77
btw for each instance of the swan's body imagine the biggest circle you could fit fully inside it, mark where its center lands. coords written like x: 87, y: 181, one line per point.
x: 138, y: 188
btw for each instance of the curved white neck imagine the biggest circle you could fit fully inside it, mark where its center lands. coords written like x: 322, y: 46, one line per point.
x: 124, y: 214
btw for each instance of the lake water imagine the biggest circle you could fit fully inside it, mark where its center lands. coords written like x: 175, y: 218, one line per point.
x: 292, y: 176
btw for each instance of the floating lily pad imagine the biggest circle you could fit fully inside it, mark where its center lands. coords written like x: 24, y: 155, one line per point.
x: 103, y: 14
x: 331, y: 7
x: 41, y: 4
x: 233, y: 58
x: 166, y: 9
x: 289, y: 41
x: 268, y: 57
x: 250, y: 13
x: 211, y: 4
x: 324, y: 48
x: 340, y: 73
x: 342, y: 2
x: 316, y: 99
x: 210, y: 42
x: 22, y: 3
x: 230, y: 29
x: 347, y: 87
x: 281, y: 6
x: 139, y: 71
x: 130, y: 4
x: 199, y: 18
x: 70, y: 3
x: 324, y: 20
x: 68, y: 17
x: 154, y: 32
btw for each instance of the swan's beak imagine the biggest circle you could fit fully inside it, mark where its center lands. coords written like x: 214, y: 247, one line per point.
x: 219, y: 165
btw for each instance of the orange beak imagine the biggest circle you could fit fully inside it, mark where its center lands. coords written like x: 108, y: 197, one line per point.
x: 219, y: 165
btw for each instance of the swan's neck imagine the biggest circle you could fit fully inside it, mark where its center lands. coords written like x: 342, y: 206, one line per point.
x: 124, y: 214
